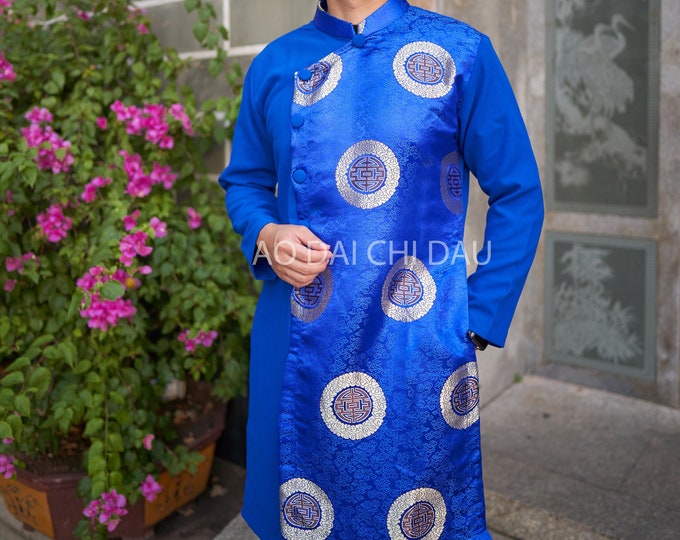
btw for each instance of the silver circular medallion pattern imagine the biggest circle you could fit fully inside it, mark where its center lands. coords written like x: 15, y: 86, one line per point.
x: 409, y: 291
x: 353, y: 406
x: 417, y: 515
x: 459, y: 398
x: 367, y: 174
x: 424, y: 69
x: 451, y: 183
x: 306, y: 511
x: 326, y: 74
x: 308, y: 302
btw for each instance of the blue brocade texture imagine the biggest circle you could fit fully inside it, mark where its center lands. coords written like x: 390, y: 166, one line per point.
x: 363, y: 420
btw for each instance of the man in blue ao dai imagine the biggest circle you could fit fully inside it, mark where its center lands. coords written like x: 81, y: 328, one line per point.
x: 348, y: 181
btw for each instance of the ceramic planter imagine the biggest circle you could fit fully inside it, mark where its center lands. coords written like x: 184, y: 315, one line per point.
x: 50, y: 504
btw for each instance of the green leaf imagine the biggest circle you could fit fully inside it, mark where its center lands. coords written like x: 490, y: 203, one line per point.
x: 93, y: 427
x: 201, y: 30
x: 213, y: 40
x: 4, y: 329
x: 112, y: 290
x: 214, y: 67
x: 82, y: 367
x: 58, y: 78
x: 138, y: 68
x: 190, y: 5
x: 40, y: 379
x: 51, y: 87
x: 96, y: 465
x: 13, y: 379
x: 96, y: 449
x: 116, y: 442
x: 30, y: 176
x: 23, y: 405
x: 51, y: 353
x: 58, y: 303
x: 19, y: 363
x: 15, y: 423
x: 76, y: 299
x: 5, y: 431
x: 4, y: 149
x: 42, y: 340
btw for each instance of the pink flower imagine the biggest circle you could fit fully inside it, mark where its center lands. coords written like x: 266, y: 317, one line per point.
x: 150, y: 488
x: 90, y: 192
x: 166, y: 142
x: 6, y: 68
x: 7, y: 440
x: 159, y: 227
x: 83, y: 14
x: 189, y: 344
x: 14, y: 264
x: 53, y: 224
x: 139, y: 183
x: 101, y: 122
x: 5, y: 4
x: 121, y: 111
x: 145, y: 270
x: 155, y: 124
x: 148, y: 439
x: 130, y: 221
x: 177, y: 112
x: 103, y: 313
x: 142, y: 29
x: 107, y: 510
x: 128, y: 281
x: 7, y: 466
x: 206, y: 338
x: 91, y: 278
x: 133, y: 244
x: 39, y: 114
x: 203, y: 338
x: 36, y: 136
x: 161, y: 174
x: 10, y: 284
x: 92, y: 510
x: 150, y: 121
x: 193, y: 219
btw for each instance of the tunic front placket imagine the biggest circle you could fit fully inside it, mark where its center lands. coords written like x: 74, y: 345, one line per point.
x: 378, y: 423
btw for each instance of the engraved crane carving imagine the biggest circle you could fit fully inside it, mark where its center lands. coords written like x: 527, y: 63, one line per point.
x: 591, y: 90
x: 588, y: 77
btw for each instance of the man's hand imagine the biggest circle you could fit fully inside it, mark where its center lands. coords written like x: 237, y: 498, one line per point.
x: 295, y: 253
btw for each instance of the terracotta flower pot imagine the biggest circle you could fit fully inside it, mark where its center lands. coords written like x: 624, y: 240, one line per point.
x: 50, y: 503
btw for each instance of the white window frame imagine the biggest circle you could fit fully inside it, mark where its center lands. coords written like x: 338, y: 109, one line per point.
x: 244, y: 50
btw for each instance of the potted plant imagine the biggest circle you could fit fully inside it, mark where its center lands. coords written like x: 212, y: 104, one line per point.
x: 119, y: 274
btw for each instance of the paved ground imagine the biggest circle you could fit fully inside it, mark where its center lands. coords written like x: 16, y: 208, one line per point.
x: 565, y: 462
x: 599, y: 461
x: 561, y: 462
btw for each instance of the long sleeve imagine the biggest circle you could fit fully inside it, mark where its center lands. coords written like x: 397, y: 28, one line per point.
x: 496, y: 148
x: 250, y: 178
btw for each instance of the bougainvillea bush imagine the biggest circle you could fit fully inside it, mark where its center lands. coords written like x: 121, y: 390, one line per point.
x: 118, y: 270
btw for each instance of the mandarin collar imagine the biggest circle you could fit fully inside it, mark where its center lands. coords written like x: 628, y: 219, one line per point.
x: 380, y: 18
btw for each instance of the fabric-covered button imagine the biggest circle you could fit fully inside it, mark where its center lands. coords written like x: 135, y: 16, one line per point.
x: 297, y: 120
x: 304, y: 74
x: 299, y: 176
x: 359, y: 40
